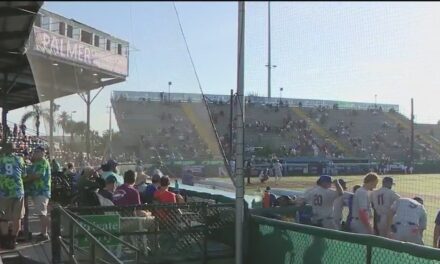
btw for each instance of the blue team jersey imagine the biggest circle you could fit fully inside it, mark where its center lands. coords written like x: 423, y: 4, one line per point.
x: 12, y: 171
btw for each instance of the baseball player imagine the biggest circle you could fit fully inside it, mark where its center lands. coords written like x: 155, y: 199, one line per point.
x: 382, y: 199
x: 321, y: 198
x: 436, y: 243
x: 409, y: 220
x: 361, y: 211
x: 339, y: 204
x: 346, y: 226
x: 278, y: 170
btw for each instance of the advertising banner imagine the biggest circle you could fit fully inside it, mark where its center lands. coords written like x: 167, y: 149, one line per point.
x: 76, y: 51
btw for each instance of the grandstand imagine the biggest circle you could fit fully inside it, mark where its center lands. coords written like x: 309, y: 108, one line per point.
x: 294, y: 128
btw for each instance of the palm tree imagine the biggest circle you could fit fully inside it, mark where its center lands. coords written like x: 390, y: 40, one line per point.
x: 37, y: 113
x: 62, y: 122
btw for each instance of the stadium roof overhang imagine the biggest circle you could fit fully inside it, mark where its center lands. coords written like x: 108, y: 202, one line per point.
x: 17, y: 87
x: 28, y: 76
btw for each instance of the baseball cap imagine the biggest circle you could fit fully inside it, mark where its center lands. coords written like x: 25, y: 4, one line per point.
x: 112, y: 162
x: 418, y: 199
x: 324, y: 178
x: 388, y: 179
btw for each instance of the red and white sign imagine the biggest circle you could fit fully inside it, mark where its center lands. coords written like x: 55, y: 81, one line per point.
x: 74, y: 50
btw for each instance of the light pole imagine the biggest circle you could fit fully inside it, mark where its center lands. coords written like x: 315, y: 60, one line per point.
x: 281, y: 91
x: 71, y: 115
x: 169, y: 91
x: 375, y: 101
x: 269, y: 64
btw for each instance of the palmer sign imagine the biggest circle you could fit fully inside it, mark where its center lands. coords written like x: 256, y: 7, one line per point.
x: 71, y: 49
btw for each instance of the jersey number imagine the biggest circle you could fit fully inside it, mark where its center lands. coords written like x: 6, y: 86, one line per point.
x: 9, y: 169
x: 317, y: 200
x: 380, y: 199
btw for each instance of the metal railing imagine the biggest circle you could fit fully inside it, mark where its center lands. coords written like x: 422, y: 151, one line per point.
x: 98, y: 253
x: 173, y: 233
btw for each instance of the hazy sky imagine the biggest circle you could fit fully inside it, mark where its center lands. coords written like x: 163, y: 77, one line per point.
x: 329, y: 50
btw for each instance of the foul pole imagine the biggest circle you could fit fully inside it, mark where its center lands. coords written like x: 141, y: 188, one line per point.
x: 239, y: 179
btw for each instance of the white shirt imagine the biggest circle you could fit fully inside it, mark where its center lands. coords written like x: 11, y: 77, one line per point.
x: 361, y: 200
x: 321, y: 200
x: 278, y: 168
x: 409, y: 210
x: 382, y: 199
x: 339, y: 203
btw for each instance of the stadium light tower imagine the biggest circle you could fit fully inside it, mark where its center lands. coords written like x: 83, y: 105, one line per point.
x: 169, y: 91
x: 269, y: 64
x: 281, y: 92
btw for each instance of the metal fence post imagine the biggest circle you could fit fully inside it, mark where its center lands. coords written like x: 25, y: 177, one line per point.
x: 55, y: 235
x: 71, y: 240
x: 368, y: 254
x: 205, y: 233
x: 92, y: 252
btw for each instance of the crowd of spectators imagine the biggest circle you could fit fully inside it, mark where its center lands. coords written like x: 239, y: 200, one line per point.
x: 174, y: 139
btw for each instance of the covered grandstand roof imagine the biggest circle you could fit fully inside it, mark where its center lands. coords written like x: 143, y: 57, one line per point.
x: 17, y: 86
x: 29, y: 75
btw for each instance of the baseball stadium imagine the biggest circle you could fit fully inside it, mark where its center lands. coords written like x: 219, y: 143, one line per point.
x: 219, y: 132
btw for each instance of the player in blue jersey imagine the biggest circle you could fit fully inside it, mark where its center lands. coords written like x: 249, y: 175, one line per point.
x: 12, y: 171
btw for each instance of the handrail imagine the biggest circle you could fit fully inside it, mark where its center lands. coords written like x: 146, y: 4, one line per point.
x: 367, y: 240
x: 94, y: 241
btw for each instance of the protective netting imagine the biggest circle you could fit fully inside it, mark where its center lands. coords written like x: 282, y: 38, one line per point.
x: 158, y: 129
x: 277, y: 242
x: 341, y: 77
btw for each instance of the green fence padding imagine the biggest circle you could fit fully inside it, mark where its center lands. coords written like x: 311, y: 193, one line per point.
x: 282, y: 242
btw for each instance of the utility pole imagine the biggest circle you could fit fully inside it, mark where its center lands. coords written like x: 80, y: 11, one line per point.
x: 239, y: 178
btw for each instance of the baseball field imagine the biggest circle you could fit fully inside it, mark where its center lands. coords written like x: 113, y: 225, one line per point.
x: 426, y: 186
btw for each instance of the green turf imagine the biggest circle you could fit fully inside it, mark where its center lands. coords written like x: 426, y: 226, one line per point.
x: 426, y: 186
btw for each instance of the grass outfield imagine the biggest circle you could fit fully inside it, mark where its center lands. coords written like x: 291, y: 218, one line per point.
x: 426, y: 186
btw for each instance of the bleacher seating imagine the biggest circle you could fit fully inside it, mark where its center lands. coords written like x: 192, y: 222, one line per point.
x: 316, y: 131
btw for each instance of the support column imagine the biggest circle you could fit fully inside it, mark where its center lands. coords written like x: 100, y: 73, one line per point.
x: 239, y: 179
x: 88, y: 103
x: 4, y: 122
x: 51, y: 128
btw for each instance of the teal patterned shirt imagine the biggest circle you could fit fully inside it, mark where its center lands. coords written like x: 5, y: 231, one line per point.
x: 42, y: 185
x: 12, y: 171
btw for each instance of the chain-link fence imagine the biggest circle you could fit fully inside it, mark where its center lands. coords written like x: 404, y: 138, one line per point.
x: 173, y: 233
x: 282, y: 242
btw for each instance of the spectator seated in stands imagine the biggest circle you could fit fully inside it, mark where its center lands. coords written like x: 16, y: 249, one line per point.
x: 164, y: 196
x: 110, y: 168
x: 148, y: 195
x: 126, y: 194
x: 109, y: 189
x: 88, y: 187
